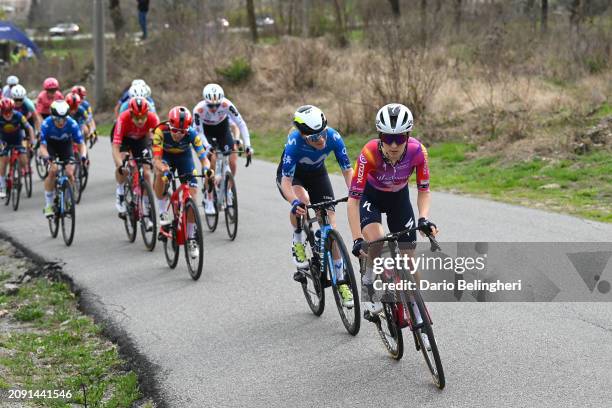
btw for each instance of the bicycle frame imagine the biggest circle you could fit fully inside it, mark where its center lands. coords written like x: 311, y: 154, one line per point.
x: 135, y: 175
x: 178, y: 200
x: 13, y: 158
x: 60, y: 178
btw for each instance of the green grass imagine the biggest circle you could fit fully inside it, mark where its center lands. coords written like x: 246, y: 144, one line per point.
x: 585, y: 184
x: 104, y: 129
x: 62, y: 349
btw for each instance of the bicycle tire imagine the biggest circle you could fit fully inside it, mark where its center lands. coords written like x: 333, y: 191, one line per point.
x: 393, y: 331
x: 313, y: 289
x: 84, y: 177
x: 16, y: 187
x: 148, y: 192
x: 212, y: 220
x: 27, y: 179
x: 41, y: 169
x: 68, y: 213
x: 171, y: 248
x: 77, y: 182
x: 129, y: 221
x: 231, y: 211
x: 435, y: 366
x: 353, y: 325
x: 55, y: 219
x: 195, y: 271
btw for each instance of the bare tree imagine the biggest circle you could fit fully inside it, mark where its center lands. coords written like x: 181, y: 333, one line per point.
x: 424, y: 21
x: 340, y: 23
x: 544, y: 16
x: 458, y: 15
x: 117, y: 19
x: 251, y: 17
x: 395, y: 7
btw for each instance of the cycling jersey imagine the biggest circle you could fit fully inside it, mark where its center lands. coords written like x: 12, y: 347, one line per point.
x: 70, y: 133
x: 27, y: 108
x: 43, y: 102
x: 124, y: 96
x: 6, y: 91
x: 125, y: 105
x: 87, y: 106
x: 373, y: 168
x: 80, y: 115
x: 11, y: 131
x: 203, y: 116
x: 163, y: 143
x: 301, y: 156
x: 126, y: 128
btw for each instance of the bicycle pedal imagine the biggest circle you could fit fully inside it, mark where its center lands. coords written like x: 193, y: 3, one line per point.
x: 326, y: 283
x: 370, y: 317
x: 300, y: 276
x: 122, y: 215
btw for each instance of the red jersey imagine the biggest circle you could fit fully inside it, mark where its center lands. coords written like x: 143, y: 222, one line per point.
x: 126, y: 127
x: 43, y: 102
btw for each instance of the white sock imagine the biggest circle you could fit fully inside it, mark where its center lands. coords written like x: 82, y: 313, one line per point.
x: 190, y: 229
x: 415, y: 309
x: 119, y: 189
x: 145, y: 204
x: 298, y: 237
x: 162, y: 203
x: 2, y: 182
x: 339, y: 269
x: 49, y: 196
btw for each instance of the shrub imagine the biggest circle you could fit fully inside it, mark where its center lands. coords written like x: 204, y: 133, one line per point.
x: 239, y: 70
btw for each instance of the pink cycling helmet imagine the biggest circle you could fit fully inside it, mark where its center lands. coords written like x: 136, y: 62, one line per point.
x: 50, y: 83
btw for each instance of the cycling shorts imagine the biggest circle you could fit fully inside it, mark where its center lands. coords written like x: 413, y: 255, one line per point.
x: 219, y: 135
x: 60, y: 149
x: 316, y: 183
x: 184, y: 166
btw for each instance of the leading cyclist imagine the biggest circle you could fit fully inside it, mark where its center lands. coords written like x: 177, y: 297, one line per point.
x: 13, y: 126
x: 380, y: 185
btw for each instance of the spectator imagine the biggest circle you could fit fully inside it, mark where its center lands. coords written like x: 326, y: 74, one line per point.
x: 143, y: 9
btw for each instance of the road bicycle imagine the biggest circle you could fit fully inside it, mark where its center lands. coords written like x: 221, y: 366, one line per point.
x: 81, y: 175
x: 323, y: 246
x: 93, y: 138
x: 224, y: 194
x: 13, y: 180
x: 399, y: 306
x: 27, y: 173
x: 63, y: 204
x: 139, y: 201
x: 182, y: 208
x: 41, y: 167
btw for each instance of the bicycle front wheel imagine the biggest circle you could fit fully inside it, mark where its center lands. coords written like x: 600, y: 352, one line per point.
x: 54, y: 220
x: 16, y: 187
x: 27, y: 179
x: 78, y: 178
x: 129, y: 221
x: 231, y: 206
x: 194, y: 243
x: 41, y: 169
x: 212, y: 219
x: 148, y: 217
x: 67, y: 217
x: 389, y: 331
x: 313, y: 289
x: 84, y: 177
x: 171, y: 247
x: 349, y: 314
x: 427, y: 344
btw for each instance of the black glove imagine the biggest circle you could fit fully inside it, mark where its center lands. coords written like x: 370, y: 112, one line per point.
x: 426, y: 226
x: 295, y: 204
x: 357, y: 247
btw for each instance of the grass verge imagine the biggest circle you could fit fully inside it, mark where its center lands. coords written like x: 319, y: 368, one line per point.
x: 581, y: 186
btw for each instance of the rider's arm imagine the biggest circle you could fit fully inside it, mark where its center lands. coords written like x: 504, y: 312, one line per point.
x: 28, y: 129
x: 360, y: 176
x: 422, y: 181
x: 199, y: 126
x: 199, y: 148
x: 158, y: 149
x: 235, y: 117
x: 77, y: 137
x: 117, y: 140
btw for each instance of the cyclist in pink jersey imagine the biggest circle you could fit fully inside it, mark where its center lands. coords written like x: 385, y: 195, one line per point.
x: 380, y: 185
x: 47, y: 96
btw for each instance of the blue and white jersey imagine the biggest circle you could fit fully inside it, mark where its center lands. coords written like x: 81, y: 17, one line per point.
x: 125, y: 105
x: 299, y: 154
x: 71, y: 132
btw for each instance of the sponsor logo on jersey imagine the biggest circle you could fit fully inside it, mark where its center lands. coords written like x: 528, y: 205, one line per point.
x: 233, y: 110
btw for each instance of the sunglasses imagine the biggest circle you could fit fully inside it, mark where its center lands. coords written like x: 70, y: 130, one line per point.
x: 18, y: 100
x: 52, y: 90
x: 58, y: 118
x: 213, y: 105
x: 177, y: 130
x: 316, y: 137
x: 390, y: 139
x: 139, y: 117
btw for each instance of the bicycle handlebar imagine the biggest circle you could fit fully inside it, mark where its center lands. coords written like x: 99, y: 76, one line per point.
x: 435, y: 246
x: 327, y: 203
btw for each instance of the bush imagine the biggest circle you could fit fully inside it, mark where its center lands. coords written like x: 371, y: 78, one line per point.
x: 239, y: 70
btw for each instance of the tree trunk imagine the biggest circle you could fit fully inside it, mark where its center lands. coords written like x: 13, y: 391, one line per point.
x: 306, y: 6
x: 290, y: 18
x: 251, y: 18
x: 117, y: 19
x: 340, y: 23
x: 458, y: 16
x: 424, y: 22
x: 544, y: 16
x: 576, y: 13
x: 395, y: 7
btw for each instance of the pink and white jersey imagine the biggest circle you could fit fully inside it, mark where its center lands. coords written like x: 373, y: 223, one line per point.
x: 202, y: 116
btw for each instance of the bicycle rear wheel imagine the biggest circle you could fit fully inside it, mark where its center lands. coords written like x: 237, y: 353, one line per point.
x: 212, y: 219
x: 78, y: 178
x: 427, y: 344
x: 84, y: 177
x: 16, y: 187
x: 194, y: 261
x: 350, y: 316
x: 41, y: 169
x: 147, y: 213
x: 231, y: 206
x: 129, y: 221
x: 171, y: 247
x: 389, y: 331
x: 313, y: 289
x: 68, y: 218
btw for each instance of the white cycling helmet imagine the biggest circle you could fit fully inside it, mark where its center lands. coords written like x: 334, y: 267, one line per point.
x: 60, y: 108
x: 137, y: 91
x: 147, y: 91
x: 18, y: 92
x: 138, y: 82
x: 309, y: 119
x: 12, y: 80
x: 393, y: 119
x: 213, y: 93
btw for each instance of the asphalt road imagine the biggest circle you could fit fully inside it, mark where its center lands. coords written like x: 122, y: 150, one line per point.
x: 244, y: 336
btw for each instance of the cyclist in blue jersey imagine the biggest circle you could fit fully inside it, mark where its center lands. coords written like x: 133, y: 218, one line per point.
x: 26, y: 107
x: 302, y: 177
x: 57, y: 134
x: 78, y: 112
x: 12, y: 127
x: 91, y: 123
x: 144, y: 92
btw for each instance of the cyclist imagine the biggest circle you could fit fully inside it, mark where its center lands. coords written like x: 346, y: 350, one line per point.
x: 302, y: 179
x: 11, y: 81
x: 125, y: 94
x: 46, y: 97
x: 12, y: 123
x: 142, y: 91
x: 172, y: 143
x: 57, y: 134
x: 78, y: 112
x: 380, y: 185
x: 133, y: 133
x: 91, y: 123
x: 25, y: 106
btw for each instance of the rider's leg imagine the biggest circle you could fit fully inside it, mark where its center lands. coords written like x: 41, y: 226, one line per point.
x: 233, y: 163
x: 50, y: 186
x: 159, y: 186
x: 3, y: 164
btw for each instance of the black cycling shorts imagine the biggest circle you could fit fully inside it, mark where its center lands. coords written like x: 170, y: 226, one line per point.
x: 395, y: 204
x: 317, y: 184
x: 219, y: 135
x: 63, y: 149
x: 135, y: 146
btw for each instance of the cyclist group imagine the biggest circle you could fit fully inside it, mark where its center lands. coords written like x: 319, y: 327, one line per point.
x: 376, y: 184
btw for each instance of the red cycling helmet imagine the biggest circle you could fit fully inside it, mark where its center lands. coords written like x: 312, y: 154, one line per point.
x: 79, y: 90
x: 50, y: 83
x: 73, y: 100
x: 179, y: 118
x: 6, y: 105
x: 139, y: 106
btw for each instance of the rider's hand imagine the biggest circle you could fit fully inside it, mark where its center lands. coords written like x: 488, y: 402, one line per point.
x: 248, y: 150
x: 297, y: 207
x: 427, y: 227
x: 45, y: 160
x: 84, y: 160
x: 357, y: 247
